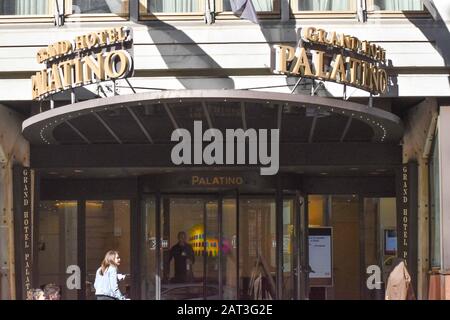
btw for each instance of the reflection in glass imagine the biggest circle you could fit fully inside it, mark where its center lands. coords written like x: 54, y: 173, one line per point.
x: 398, y: 5
x: 174, y: 6
x: 257, y: 236
x: 212, y: 250
x: 107, y: 228
x: 317, y: 210
x: 346, y: 247
x: 323, y: 5
x: 229, y: 253
x: 24, y: 7
x: 380, y: 238
x: 260, y: 5
x: 99, y: 6
x: 57, y: 244
x: 184, y: 247
x: 148, y: 280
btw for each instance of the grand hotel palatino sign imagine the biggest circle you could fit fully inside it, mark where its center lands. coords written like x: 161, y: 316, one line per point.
x: 90, y: 58
x: 321, y: 55
x: 330, y: 56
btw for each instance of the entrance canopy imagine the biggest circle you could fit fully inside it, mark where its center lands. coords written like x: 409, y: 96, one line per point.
x: 151, y: 118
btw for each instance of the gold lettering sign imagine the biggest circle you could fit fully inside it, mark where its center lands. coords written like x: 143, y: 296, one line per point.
x: 89, y: 59
x: 405, y: 213
x: 340, y: 58
x: 26, y: 228
x: 217, y: 181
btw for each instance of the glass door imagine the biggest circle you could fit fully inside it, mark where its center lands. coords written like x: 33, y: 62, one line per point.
x: 301, y: 248
x: 222, y: 247
x: 229, y: 253
x: 197, y: 249
x: 107, y: 225
x: 185, y: 246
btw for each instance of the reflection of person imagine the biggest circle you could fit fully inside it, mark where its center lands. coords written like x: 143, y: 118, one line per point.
x: 52, y: 292
x: 106, y: 279
x: 184, y: 257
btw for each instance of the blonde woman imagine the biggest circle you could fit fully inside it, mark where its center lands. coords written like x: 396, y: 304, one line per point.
x: 106, y: 279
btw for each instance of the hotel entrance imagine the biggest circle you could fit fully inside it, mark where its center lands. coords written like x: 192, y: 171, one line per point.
x: 220, y: 246
x: 216, y: 231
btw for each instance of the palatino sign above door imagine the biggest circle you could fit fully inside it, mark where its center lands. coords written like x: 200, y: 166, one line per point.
x: 90, y: 58
x: 329, y: 56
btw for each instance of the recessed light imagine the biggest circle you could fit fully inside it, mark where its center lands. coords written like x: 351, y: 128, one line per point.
x: 354, y: 169
x: 324, y: 173
x: 78, y: 171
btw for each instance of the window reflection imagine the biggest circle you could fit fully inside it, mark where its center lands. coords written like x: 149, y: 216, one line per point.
x: 260, y: 5
x: 397, y: 5
x: 174, y: 6
x: 257, y: 235
x: 324, y: 5
x: 24, y: 7
x: 99, y: 6
x: 107, y: 228
x: 57, y: 244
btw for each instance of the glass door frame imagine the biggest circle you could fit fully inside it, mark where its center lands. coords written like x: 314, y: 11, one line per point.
x: 302, y: 268
x: 205, y: 197
x: 300, y: 261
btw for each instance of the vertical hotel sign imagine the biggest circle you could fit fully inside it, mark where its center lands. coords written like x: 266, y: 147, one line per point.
x: 23, y: 230
x: 404, y: 217
x: 407, y: 223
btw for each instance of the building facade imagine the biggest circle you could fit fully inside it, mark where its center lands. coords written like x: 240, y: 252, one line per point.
x: 352, y: 95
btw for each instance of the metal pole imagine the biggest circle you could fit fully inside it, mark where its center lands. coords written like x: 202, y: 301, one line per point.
x: 220, y: 215
x: 158, y: 247
x: 238, y: 201
x: 5, y: 272
x: 73, y: 97
x: 115, y: 87
x: 81, y: 233
x: 305, y: 245
x: 296, y: 85
x: 279, y: 239
x: 205, y: 243
x: 298, y: 247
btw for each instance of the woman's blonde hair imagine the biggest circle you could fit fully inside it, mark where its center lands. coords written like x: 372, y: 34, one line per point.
x: 109, y: 260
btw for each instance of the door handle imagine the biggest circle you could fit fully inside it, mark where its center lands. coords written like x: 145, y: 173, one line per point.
x: 306, y: 269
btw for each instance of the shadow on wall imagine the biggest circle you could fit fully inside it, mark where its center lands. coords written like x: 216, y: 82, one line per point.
x: 179, y: 51
x: 437, y: 34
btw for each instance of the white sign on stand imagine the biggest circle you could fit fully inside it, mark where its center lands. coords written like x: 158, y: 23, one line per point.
x: 321, y: 256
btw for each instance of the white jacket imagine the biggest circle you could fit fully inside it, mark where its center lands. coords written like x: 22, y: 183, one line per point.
x: 107, y: 284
